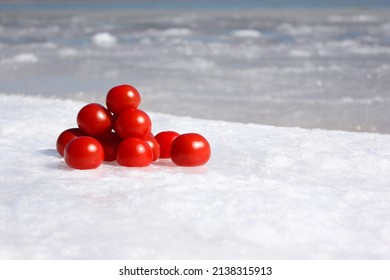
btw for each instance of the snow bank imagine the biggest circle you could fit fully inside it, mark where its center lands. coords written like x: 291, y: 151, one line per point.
x: 176, y: 32
x: 168, y: 32
x: 104, y: 39
x: 267, y: 192
x: 22, y: 58
x: 251, y: 33
x: 354, y: 18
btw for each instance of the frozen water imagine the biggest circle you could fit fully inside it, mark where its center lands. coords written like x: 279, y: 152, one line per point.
x: 267, y: 192
x: 312, y: 68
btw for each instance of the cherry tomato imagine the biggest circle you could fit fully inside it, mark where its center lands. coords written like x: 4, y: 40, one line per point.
x: 133, y: 123
x: 122, y: 97
x: 165, y: 139
x: 84, y: 152
x: 190, y: 149
x: 134, y: 152
x: 66, y: 136
x: 154, y: 145
x: 110, y: 143
x: 95, y: 120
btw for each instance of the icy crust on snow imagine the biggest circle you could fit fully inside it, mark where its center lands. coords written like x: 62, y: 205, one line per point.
x: 267, y: 192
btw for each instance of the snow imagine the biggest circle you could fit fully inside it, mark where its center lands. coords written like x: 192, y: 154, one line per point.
x: 104, y: 40
x: 176, y: 32
x: 22, y: 58
x: 267, y: 192
x: 246, y: 33
x: 354, y: 18
x: 25, y: 58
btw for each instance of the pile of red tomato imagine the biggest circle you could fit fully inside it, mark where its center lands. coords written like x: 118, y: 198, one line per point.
x: 122, y: 132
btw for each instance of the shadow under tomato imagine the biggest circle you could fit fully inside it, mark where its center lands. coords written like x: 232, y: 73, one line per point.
x: 164, y: 163
x: 50, y: 152
x: 169, y: 166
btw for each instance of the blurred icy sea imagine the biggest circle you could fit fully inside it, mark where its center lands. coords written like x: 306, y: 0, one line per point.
x: 312, y: 68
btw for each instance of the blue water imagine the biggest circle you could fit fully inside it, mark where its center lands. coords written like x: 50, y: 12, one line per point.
x: 214, y: 5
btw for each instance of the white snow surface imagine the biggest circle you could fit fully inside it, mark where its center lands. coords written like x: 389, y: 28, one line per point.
x: 266, y: 193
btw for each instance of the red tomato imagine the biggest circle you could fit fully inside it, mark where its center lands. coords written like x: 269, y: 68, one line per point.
x: 110, y: 143
x: 165, y: 139
x: 154, y: 145
x: 134, y: 152
x: 122, y: 97
x: 95, y: 120
x: 133, y: 123
x: 190, y: 149
x: 65, y: 137
x: 84, y: 152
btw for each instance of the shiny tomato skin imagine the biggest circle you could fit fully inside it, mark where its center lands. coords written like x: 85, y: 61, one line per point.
x: 95, y: 120
x: 165, y: 139
x: 154, y: 145
x: 134, y: 152
x: 110, y: 143
x: 67, y: 136
x: 190, y: 149
x: 84, y: 152
x: 122, y: 97
x: 133, y: 123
